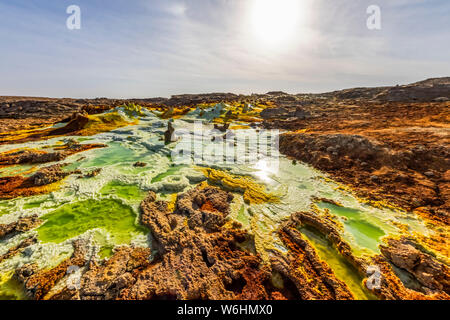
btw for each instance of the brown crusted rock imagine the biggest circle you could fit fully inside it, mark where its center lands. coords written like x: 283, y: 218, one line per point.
x: 274, y: 113
x: 37, y: 156
x: 331, y: 229
x: 38, y: 283
x: 22, y: 225
x: 18, y: 248
x: 30, y: 156
x: 76, y: 122
x: 49, y: 175
x: 140, y: 164
x: 27, y: 223
x: 93, y: 173
x: 6, y: 229
x: 41, y: 182
x: 302, y: 268
x: 392, y: 288
x: 207, y: 207
x: 406, y: 255
x: 198, y: 258
x: 155, y: 215
x: 168, y: 134
x: 193, y: 261
x: 222, y: 128
x: 107, y: 280
x: 151, y: 197
x: 204, y: 268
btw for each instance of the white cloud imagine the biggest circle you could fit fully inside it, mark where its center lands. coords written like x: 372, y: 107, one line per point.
x: 177, y: 9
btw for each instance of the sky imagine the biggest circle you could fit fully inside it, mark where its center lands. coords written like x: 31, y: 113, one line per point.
x: 157, y: 48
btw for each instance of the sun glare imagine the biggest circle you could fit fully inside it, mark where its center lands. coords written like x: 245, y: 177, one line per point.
x: 275, y: 21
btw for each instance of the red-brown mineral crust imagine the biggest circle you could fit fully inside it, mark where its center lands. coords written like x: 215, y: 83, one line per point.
x: 22, y: 225
x: 303, y: 268
x: 36, y: 156
x: 433, y: 275
x: 18, y: 248
x: 198, y: 257
x: 38, y: 283
x: 403, y: 253
x: 43, y: 181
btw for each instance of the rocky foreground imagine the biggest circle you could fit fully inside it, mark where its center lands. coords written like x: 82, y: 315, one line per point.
x: 389, y: 145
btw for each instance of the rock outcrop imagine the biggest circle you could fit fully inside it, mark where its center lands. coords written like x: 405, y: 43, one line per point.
x: 407, y: 255
x: 41, y: 182
x: 303, y: 268
x: 18, y: 248
x: 48, y: 175
x: 168, y: 134
x: 206, y: 256
x: 22, y: 225
x: 32, y: 156
x: 38, y: 283
x: 409, y: 179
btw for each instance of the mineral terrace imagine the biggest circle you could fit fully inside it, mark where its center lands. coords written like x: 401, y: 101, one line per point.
x: 94, y: 206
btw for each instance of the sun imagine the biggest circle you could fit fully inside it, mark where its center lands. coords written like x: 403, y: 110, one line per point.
x: 275, y: 21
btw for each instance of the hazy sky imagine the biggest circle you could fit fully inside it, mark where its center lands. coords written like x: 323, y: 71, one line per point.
x: 163, y: 47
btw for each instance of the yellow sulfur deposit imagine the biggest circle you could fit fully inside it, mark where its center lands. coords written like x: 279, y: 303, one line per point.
x: 253, y: 192
x: 172, y: 199
x: 438, y: 243
x: 175, y: 112
x: 94, y: 124
x: 18, y: 187
x: 239, y: 127
x: 242, y: 112
x: 13, y: 136
x: 103, y: 123
x: 132, y: 110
